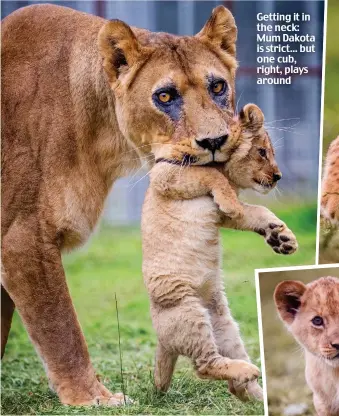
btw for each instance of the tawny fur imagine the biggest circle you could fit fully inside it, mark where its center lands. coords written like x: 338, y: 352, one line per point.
x: 330, y: 184
x: 297, y: 305
x: 181, y: 256
x: 77, y: 114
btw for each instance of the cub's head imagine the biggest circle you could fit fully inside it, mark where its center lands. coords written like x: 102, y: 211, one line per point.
x: 251, y: 163
x: 311, y: 313
x: 174, y: 95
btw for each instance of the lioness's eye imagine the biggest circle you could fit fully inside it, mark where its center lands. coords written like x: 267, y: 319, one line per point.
x: 262, y: 152
x: 318, y: 321
x: 166, y: 96
x: 218, y: 87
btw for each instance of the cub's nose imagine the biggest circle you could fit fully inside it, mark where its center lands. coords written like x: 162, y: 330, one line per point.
x: 277, y: 177
x: 212, y: 144
x: 336, y: 346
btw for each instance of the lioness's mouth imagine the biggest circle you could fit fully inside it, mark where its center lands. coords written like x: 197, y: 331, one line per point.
x: 171, y: 161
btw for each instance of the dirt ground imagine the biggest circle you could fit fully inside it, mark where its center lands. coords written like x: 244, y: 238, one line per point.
x: 284, y: 358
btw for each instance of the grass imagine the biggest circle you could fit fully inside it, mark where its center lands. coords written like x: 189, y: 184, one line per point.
x: 111, y: 264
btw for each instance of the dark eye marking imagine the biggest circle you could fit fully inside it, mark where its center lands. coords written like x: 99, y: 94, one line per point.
x: 318, y: 321
x: 262, y: 152
x: 218, y: 90
x: 168, y: 100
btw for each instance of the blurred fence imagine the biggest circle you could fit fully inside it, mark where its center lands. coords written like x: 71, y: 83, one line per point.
x: 298, y: 105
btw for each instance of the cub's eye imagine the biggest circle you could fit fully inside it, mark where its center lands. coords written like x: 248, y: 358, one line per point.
x: 262, y: 152
x: 218, y: 87
x: 318, y: 321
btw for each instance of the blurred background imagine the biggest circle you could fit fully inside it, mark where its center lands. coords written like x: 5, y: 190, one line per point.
x: 110, y: 264
x: 288, y: 393
x: 331, y: 102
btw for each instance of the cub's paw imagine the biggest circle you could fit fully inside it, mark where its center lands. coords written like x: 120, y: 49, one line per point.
x: 241, y: 372
x: 248, y: 391
x: 231, y: 208
x: 279, y: 237
x: 330, y: 207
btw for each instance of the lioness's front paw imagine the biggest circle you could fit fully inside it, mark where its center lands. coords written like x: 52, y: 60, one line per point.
x: 330, y: 207
x: 242, y: 372
x: 279, y: 237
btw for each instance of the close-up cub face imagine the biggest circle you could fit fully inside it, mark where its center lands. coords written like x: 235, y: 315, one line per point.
x: 174, y: 95
x: 251, y: 164
x: 311, y: 313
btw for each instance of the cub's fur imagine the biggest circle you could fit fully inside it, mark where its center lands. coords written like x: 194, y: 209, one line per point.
x: 78, y: 109
x: 330, y: 191
x: 311, y: 313
x: 181, y: 255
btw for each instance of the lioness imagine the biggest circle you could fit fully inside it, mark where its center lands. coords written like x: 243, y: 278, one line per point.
x: 82, y: 98
x: 181, y: 254
x: 311, y: 314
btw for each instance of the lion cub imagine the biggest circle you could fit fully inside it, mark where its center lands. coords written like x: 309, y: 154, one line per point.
x: 311, y: 314
x: 181, y: 256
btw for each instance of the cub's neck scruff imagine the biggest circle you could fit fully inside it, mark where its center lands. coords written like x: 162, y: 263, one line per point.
x: 183, y: 100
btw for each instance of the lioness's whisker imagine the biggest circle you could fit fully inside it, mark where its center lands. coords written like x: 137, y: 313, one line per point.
x: 236, y: 107
x: 144, y: 145
x: 283, y: 119
x: 147, y: 173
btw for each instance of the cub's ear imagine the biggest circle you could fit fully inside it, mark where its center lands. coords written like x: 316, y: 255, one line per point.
x: 119, y: 47
x: 287, y: 299
x: 220, y: 30
x: 252, y: 116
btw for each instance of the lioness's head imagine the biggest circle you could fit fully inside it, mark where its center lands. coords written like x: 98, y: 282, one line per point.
x: 251, y: 163
x: 311, y: 312
x: 174, y: 95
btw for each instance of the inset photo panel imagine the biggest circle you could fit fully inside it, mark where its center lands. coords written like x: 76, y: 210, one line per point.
x: 300, y: 334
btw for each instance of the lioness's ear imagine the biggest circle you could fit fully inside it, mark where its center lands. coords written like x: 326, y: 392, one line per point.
x: 252, y: 116
x: 118, y: 46
x: 220, y: 30
x: 287, y: 299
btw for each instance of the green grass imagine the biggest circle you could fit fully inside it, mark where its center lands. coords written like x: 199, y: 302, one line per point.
x: 331, y: 107
x: 111, y: 263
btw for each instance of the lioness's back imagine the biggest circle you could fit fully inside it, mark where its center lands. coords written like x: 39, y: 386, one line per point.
x: 48, y: 54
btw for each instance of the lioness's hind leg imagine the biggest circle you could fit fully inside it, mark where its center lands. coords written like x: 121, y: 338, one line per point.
x: 7, y: 310
x: 164, y: 367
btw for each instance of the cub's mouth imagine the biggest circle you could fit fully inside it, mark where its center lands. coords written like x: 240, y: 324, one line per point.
x: 264, y: 184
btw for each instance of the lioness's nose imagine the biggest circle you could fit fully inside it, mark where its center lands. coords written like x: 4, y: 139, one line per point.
x: 336, y: 346
x: 277, y: 177
x: 212, y: 144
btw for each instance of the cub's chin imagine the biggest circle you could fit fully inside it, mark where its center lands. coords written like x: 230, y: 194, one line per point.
x: 332, y: 362
x: 262, y: 188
